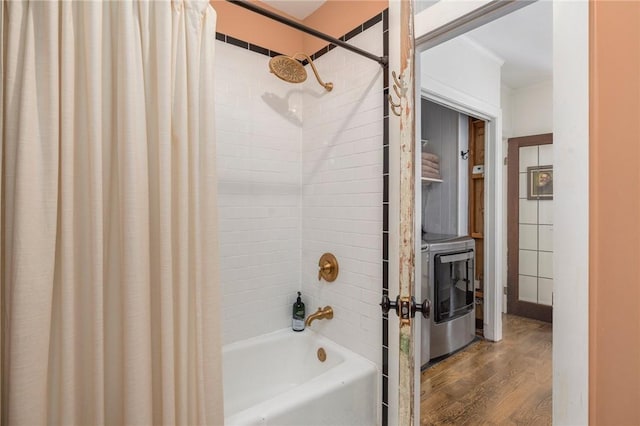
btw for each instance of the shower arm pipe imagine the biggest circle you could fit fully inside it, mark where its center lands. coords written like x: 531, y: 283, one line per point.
x: 328, y: 86
x: 382, y: 60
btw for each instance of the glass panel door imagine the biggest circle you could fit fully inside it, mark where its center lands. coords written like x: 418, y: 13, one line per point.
x: 453, y: 285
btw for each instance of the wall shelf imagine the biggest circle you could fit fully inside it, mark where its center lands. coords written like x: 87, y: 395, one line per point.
x: 426, y: 179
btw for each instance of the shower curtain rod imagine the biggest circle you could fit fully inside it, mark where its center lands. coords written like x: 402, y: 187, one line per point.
x: 382, y: 60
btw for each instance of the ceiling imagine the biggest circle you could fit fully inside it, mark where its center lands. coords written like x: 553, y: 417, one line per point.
x: 524, y: 40
x: 296, y: 8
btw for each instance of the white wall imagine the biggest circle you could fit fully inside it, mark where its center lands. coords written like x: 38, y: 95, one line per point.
x: 464, y: 69
x: 532, y: 110
x: 421, y: 5
x: 258, y: 168
x: 506, y: 96
x: 342, y: 194
x: 571, y: 213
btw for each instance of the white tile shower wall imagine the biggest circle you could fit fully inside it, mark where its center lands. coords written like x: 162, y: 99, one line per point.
x: 342, y: 194
x: 258, y: 131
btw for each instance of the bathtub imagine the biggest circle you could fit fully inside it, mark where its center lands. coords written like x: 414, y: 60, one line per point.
x: 278, y: 380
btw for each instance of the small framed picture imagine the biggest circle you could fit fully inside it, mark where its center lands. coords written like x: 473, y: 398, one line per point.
x: 540, y: 183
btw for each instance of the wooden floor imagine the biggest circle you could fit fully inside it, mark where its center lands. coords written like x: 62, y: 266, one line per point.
x: 504, y: 383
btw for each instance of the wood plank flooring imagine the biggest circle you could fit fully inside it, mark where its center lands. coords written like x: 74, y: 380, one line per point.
x: 504, y: 383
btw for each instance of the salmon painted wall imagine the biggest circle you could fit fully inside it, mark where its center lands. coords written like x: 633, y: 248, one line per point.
x: 614, y: 314
x: 334, y: 17
x: 245, y: 25
x: 337, y: 17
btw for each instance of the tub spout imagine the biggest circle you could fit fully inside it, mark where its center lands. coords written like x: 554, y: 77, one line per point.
x: 321, y: 313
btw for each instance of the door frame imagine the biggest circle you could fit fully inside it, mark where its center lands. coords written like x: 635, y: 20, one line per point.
x: 493, y: 242
x: 514, y: 304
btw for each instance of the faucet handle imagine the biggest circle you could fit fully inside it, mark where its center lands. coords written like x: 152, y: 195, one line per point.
x: 328, y: 267
x: 324, y: 269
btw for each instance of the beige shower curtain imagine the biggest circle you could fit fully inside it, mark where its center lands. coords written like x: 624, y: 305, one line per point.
x: 108, y: 217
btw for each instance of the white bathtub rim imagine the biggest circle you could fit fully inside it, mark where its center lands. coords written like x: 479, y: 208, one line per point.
x: 352, y: 368
x: 345, y: 373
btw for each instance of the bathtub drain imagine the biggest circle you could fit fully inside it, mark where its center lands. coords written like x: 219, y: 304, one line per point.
x: 322, y: 355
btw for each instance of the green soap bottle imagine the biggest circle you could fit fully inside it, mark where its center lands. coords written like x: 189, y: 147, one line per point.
x: 297, y: 322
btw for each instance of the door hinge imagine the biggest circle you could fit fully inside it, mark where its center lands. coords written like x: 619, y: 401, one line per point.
x: 504, y: 290
x: 505, y: 161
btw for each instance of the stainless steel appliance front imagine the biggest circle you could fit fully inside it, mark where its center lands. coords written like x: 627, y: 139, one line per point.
x: 447, y: 280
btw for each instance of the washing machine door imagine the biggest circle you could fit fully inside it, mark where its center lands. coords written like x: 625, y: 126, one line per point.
x: 453, y: 285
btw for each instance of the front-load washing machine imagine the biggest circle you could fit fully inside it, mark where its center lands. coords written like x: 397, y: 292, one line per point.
x: 448, y: 281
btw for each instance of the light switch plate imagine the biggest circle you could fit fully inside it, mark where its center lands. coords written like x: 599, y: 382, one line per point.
x: 478, y: 170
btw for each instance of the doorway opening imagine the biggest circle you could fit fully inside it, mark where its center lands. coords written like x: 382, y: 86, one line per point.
x: 500, y: 77
x: 530, y: 226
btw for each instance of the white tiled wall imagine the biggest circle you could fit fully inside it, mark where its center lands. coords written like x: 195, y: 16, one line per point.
x: 258, y: 130
x: 296, y: 182
x: 535, y: 281
x: 342, y: 194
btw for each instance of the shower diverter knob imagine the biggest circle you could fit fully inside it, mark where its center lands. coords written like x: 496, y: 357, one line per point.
x: 328, y: 267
